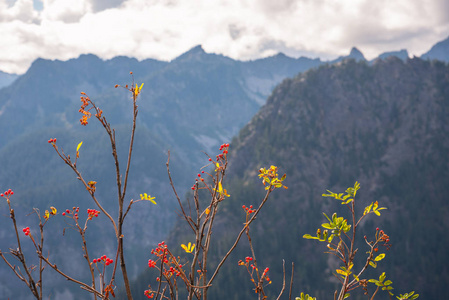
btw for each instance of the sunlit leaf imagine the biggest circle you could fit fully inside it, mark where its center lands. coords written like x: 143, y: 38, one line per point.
x: 189, y: 248
x: 379, y: 257
x: 79, y: 146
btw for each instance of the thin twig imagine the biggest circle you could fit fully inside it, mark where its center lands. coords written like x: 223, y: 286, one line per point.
x: 283, y: 281
x: 291, y: 281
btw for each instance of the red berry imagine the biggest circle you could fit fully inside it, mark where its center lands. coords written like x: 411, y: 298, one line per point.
x: 210, y: 159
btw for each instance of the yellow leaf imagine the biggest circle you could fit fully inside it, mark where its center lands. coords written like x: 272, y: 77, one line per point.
x: 47, y: 215
x: 207, y: 211
x: 189, y: 248
x: 137, y: 89
x: 145, y: 196
x: 53, y: 210
x: 79, y: 146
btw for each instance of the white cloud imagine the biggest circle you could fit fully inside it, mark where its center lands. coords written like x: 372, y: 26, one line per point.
x: 21, y: 10
x: 241, y: 29
x: 64, y: 10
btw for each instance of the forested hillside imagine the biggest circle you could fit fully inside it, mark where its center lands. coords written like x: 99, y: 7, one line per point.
x: 383, y: 125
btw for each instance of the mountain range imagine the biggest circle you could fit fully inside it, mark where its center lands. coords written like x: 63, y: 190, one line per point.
x: 189, y: 105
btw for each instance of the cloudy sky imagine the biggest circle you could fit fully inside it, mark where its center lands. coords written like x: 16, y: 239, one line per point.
x: 241, y: 29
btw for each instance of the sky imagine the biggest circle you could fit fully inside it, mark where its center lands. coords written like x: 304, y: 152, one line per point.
x: 240, y: 29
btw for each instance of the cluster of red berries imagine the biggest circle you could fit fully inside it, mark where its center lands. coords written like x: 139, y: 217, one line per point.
x: 151, y: 263
x: 92, y: 213
x: 52, y: 141
x: 172, y: 271
x: 160, y: 252
x: 247, y: 260
x: 171, y: 264
x: 383, y: 238
x: 264, y: 275
x: 74, y: 212
x: 26, y: 230
x: 224, y: 148
x: 160, y: 249
x: 149, y: 294
x: 249, y: 210
x: 197, y: 179
x: 7, y: 193
x: 104, y: 259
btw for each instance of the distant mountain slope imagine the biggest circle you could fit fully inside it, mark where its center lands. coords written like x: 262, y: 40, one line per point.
x: 439, y: 51
x: 384, y: 125
x: 402, y: 54
x: 6, y: 79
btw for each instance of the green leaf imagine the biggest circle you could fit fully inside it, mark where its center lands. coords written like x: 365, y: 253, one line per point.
x: 348, y: 201
x: 382, y: 277
x: 388, y: 282
x: 327, y: 226
x: 373, y: 264
x: 308, y: 236
x: 367, y: 209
